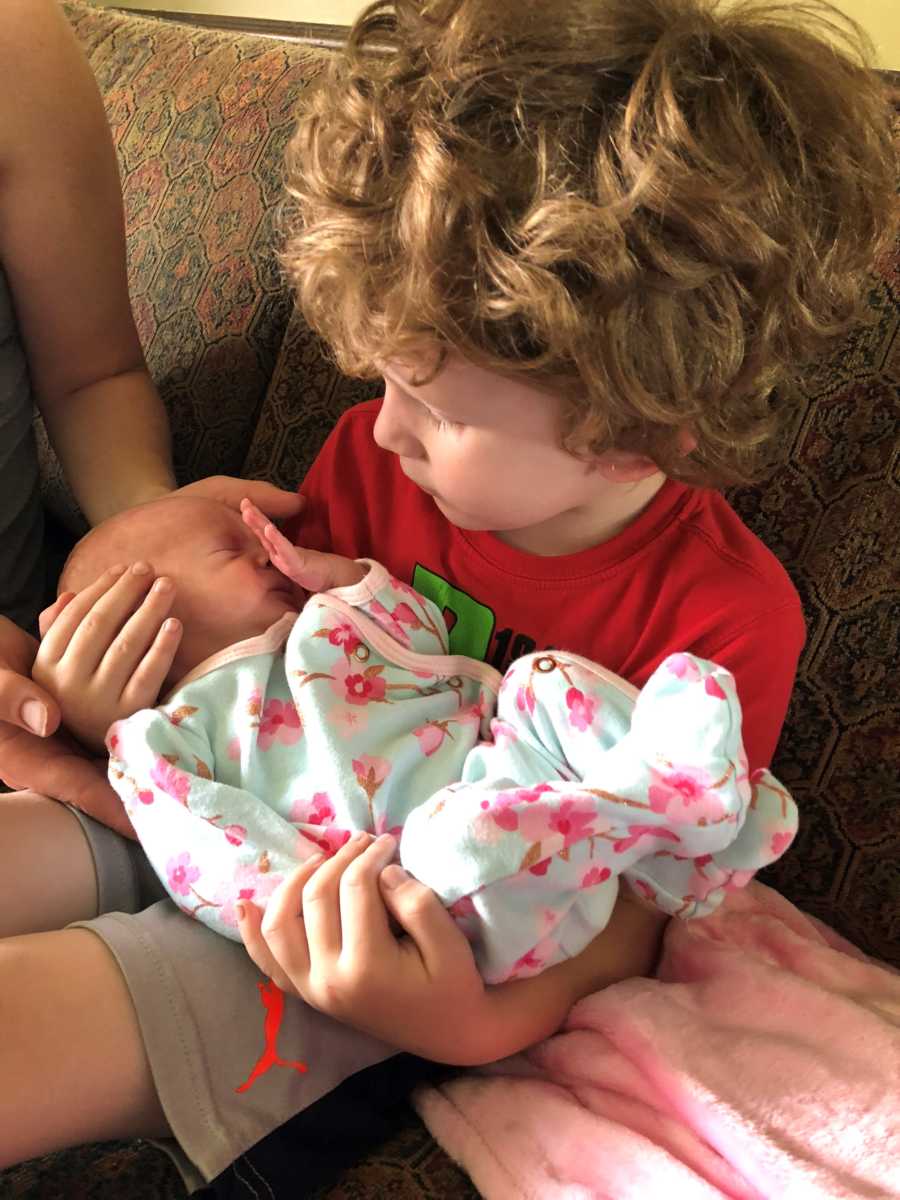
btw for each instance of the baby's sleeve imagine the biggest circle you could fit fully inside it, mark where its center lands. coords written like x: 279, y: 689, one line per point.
x: 411, y: 620
x: 574, y: 795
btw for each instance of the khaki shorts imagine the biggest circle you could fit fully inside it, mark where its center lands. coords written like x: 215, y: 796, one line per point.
x: 198, y: 1001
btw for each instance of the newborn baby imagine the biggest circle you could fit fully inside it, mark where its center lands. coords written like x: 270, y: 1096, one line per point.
x: 521, y: 800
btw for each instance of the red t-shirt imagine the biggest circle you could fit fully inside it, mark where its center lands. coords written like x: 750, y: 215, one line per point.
x: 685, y: 575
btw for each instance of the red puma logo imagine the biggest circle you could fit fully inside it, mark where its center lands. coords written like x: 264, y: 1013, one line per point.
x: 273, y: 1002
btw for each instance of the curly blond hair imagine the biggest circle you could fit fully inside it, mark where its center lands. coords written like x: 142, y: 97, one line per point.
x: 657, y: 209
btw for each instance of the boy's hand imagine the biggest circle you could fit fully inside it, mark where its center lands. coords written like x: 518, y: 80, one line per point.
x: 310, y: 570
x: 108, y: 651
x: 326, y: 937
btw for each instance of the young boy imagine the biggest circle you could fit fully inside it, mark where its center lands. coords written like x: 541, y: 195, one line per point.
x: 582, y: 241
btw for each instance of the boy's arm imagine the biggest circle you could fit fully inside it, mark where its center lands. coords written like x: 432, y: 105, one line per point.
x: 522, y: 1012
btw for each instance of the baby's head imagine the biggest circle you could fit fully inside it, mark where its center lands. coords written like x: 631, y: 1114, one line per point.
x: 656, y: 209
x: 226, y: 588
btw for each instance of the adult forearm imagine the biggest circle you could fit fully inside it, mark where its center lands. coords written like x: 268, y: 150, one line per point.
x: 112, y: 439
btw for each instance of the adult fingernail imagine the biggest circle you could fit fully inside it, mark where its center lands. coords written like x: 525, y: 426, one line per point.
x: 386, y: 842
x: 35, y: 716
x: 141, y: 568
x: 118, y: 569
x: 359, y: 838
x: 393, y: 876
x: 163, y: 585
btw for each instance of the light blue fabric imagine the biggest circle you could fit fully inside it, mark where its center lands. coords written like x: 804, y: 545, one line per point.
x: 521, y: 801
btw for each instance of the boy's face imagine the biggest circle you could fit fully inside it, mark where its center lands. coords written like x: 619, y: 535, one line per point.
x: 226, y: 588
x: 487, y: 449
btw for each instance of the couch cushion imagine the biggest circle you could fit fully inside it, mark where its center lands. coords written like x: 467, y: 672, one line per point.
x: 831, y: 512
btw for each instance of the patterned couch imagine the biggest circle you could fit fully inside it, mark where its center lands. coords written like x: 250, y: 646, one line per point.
x: 200, y: 118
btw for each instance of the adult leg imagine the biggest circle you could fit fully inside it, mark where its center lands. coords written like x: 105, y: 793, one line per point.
x: 72, y: 1060
x: 46, y: 866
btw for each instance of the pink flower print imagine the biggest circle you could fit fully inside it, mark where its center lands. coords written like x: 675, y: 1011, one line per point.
x: 348, y: 721
x: 684, y: 667
x: 503, y: 733
x: 712, y: 687
x: 462, y: 908
x: 344, y: 635
x: 644, y: 889
x: 394, y: 621
x: 706, y: 877
x: 527, y: 963
x: 595, y: 876
x: 145, y: 797
x: 503, y: 813
x: 280, y: 722
x: 780, y: 842
x: 181, y: 873
x: 249, y: 882
x: 636, y: 832
x: 525, y: 699
x: 688, y: 785
x: 371, y: 772
x: 356, y: 685
x: 235, y: 834
x: 581, y: 709
x: 381, y: 826
x: 330, y: 841
x: 738, y: 879
x: 317, y: 811
x: 572, y: 822
x: 431, y: 736
x: 540, y: 868
x: 112, y: 743
x: 171, y: 779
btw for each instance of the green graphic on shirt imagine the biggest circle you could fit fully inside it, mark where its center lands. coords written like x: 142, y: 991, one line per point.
x: 472, y: 623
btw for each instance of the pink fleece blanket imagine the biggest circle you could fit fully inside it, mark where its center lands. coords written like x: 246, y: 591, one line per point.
x: 763, y: 1061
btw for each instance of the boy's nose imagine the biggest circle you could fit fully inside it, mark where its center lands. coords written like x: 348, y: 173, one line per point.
x: 395, y: 428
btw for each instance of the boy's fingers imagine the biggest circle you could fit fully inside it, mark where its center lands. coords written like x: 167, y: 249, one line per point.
x: 321, y: 903
x: 422, y: 915
x: 364, y: 922
x: 282, y: 928
x: 49, y: 614
x: 137, y: 638
x: 109, y: 600
x: 249, y: 926
x: 143, y: 688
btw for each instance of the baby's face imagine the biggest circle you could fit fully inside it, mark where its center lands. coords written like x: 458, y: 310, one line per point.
x: 226, y: 588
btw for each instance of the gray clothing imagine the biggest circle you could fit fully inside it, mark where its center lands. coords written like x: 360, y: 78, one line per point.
x: 22, y: 570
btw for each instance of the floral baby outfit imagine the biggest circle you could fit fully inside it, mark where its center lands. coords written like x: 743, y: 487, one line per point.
x: 520, y: 800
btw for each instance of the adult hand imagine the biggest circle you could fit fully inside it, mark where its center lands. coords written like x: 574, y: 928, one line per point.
x: 32, y: 754
x: 419, y: 991
x: 278, y: 503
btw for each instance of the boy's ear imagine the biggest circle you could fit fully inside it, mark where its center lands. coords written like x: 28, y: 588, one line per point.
x: 624, y: 466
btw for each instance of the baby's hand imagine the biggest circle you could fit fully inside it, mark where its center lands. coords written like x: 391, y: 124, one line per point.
x: 309, y: 569
x: 108, y: 651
